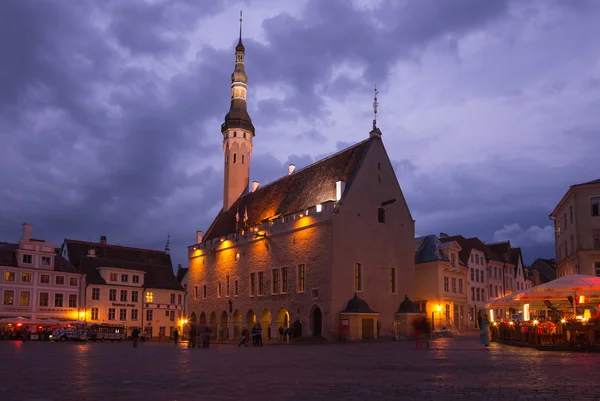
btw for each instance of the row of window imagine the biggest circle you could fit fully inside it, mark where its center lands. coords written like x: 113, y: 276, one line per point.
x: 123, y: 296
x: 28, y: 259
x: 43, y: 299
x: 114, y: 277
x: 477, y: 275
x: 476, y: 259
x: 133, y: 314
x: 44, y: 278
x: 454, y: 289
x: 477, y: 294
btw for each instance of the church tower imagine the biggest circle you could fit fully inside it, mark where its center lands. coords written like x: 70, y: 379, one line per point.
x: 238, y: 132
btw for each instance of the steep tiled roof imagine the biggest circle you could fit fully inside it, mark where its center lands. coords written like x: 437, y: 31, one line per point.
x: 298, y: 191
x: 587, y: 183
x: 156, y: 264
x: 501, y: 249
x: 181, y: 272
x: 8, y: 257
x: 467, y: 244
x: 546, y: 268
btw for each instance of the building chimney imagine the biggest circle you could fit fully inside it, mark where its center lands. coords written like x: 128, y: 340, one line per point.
x: 198, y: 237
x: 255, y: 185
x: 26, y: 232
x: 103, y: 239
x: 340, y: 186
x: 291, y: 168
x: 91, y: 253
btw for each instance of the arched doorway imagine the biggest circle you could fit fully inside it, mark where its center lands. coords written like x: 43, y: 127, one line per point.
x: 265, y: 322
x: 250, y: 319
x: 237, y: 324
x: 297, y: 329
x: 213, y: 325
x: 282, y: 324
x: 202, y: 318
x: 317, y: 321
x: 224, y: 330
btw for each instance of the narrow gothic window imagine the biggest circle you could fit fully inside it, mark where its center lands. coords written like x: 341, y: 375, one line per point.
x: 235, y: 134
x: 244, y: 135
x: 381, y: 215
x: 242, y: 159
x: 226, y: 158
x: 234, y: 157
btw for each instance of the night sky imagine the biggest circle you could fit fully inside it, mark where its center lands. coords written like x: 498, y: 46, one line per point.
x: 110, y: 111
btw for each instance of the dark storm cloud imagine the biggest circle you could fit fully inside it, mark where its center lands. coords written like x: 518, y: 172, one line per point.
x: 304, y: 52
x: 108, y: 129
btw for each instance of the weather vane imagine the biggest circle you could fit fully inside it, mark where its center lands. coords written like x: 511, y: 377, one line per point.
x: 375, y: 105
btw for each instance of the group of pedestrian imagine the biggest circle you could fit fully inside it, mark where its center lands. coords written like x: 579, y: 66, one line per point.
x: 204, y: 333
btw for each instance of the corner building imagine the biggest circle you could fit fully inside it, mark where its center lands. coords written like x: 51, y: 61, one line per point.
x: 327, y: 246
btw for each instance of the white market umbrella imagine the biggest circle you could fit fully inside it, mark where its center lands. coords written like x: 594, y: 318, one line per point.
x: 571, y: 283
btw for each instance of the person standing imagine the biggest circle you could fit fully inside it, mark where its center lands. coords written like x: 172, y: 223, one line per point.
x: 259, y: 335
x: 254, y: 340
x: 417, y: 329
x: 426, y: 330
x: 135, y: 335
x: 484, y: 330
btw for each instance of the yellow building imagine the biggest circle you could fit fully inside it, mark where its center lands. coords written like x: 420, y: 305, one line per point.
x: 126, y: 286
x: 577, y: 230
x: 441, y: 282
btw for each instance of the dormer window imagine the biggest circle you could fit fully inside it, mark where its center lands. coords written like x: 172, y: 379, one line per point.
x: 124, y: 278
x: 46, y: 260
x: 113, y: 276
x: 27, y: 259
x: 135, y: 279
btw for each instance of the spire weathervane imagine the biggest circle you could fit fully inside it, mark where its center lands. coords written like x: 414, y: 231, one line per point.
x: 167, y: 247
x: 375, y: 105
x: 240, y: 26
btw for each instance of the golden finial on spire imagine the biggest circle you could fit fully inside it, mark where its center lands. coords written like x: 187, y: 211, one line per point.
x: 375, y: 105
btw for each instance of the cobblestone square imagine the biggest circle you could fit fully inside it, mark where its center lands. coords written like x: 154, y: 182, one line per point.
x: 452, y: 369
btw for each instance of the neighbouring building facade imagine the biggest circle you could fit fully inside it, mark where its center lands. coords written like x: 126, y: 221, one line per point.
x: 441, y: 282
x: 128, y: 286
x: 36, y: 283
x: 472, y: 254
x: 577, y: 230
x: 323, y: 247
x: 184, y: 278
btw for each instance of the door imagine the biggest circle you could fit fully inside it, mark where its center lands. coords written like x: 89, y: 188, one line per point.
x: 297, y: 329
x: 368, y: 326
x: 317, y: 320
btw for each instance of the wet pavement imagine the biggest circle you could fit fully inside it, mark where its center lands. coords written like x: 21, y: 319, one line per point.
x: 453, y: 369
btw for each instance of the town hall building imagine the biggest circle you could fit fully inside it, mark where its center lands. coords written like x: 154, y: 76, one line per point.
x: 325, y: 247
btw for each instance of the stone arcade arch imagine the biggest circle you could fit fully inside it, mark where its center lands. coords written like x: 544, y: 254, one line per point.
x: 224, y: 329
x: 213, y: 325
x: 237, y: 324
x: 202, y: 318
x: 265, y: 322
x: 316, y: 321
x: 250, y: 319
x: 193, y: 319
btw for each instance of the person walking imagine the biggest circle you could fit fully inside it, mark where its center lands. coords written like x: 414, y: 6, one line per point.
x: 417, y: 330
x: 254, y: 340
x: 192, y: 333
x: 426, y: 330
x: 176, y: 335
x: 484, y: 330
x: 135, y: 335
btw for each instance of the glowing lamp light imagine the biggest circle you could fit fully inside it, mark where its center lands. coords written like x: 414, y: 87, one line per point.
x: 439, y: 308
x: 587, y: 314
x: 535, y: 322
x: 81, y: 315
x: 319, y: 207
x: 563, y: 320
x: 511, y: 323
x: 582, y: 299
x: 222, y: 239
x: 19, y: 324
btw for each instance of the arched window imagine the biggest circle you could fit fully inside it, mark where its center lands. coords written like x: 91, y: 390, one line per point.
x: 234, y: 134
x: 226, y: 158
x: 234, y: 157
x: 244, y: 135
x: 242, y: 159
